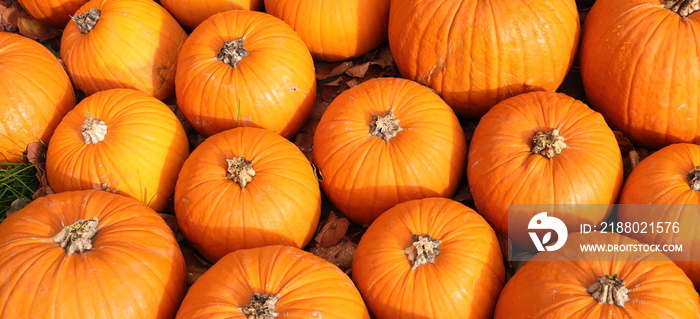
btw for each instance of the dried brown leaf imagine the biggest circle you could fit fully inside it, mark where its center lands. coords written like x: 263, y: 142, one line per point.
x: 305, y: 142
x: 35, y: 153
x: 195, y: 265
x: 624, y: 143
x: 358, y: 71
x: 331, y: 70
x: 463, y: 194
x: 10, y: 16
x: 340, y: 254
x: 195, y: 139
x: 16, y: 205
x: 332, y: 230
x: 171, y: 221
x: 34, y: 29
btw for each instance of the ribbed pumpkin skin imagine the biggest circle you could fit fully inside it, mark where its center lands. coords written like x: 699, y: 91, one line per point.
x: 364, y: 175
x: 465, y: 280
x: 502, y: 170
x: 661, y: 178
x: 281, y: 205
x: 140, y: 157
x: 274, y: 87
x: 477, y: 53
x: 37, y: 93
x: 309, y: 286
x: 335, y: 30
x: 53, y: 13
x: 190, y: 13
x: 135, y: 45
x: 625, y: 41
x: 553, y: 284
x: 134, y: 270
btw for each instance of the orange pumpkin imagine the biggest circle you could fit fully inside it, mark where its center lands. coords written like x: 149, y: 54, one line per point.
x: 121, y: 141
x: 89, y: 254
x: 245, y: 68
x: 386, y: 141
x: 122, y: 44
x: 625, y: 41
x: 53, y: 13
x: 429, y: 258
x: 272, y: 281
x: 669, y: 178
x: 477, y: 53
x: 543, y: 148
x: 190, y: 13
x: 37, y: 93
x: 335, y: 30
x: 570, y: 284
x: 243, y: 188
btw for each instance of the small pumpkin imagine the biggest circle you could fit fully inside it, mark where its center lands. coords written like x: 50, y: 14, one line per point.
x: 245, y: 68
x: 669, y: 178
x: 386, y: 141
x: 570, y: 284
x: 37, y: 93
x: 121, y: 141
x: 243, y: 188
x: 335, y: 30
x: 190, y: 13
x: 53, y: 13
x: 271, y: 282
x: 89, y: 254
x: 429, y: 258
x: 543, y: 148
x: 122, y: 44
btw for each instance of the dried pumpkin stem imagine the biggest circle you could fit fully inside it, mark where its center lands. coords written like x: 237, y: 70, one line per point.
x: 77, y: 237
x: 384, y: 126
x: 609, y: 290
x: 548, y: 144
x: 232, y: 52
x: 422, y: 250
x: 262, y: 306
x: 694, y: 179
x: 684, y: 8
x: 240, y: 171
x: 94, y: 131
x: 87, y: 21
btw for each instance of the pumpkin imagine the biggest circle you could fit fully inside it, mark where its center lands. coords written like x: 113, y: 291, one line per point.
x: 669, y: 178
x: 245, y: 68
x: 122, y: 44
x: 477, y: 53
x: 429, y: 258
x: 121, y: 141
x: 89, y: 254
x: 243, y: 188
x: 548, y: 149
x: 53, y: 13
x: 190, y: 13
x: 386, y: 141
x: 37, y: 93
x: 623, y: 42
x: 335, y: 30
x: 570, y: 284
x: 272, y: 281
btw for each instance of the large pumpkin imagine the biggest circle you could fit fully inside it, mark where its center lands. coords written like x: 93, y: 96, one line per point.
x: 53, y: 13
x: 271, y: 282
x: 37, y: 93
x: 245, y: 68
x: 335, y: 30
x: 122, y: 44
x: 429, y: 258
x: 386, y: 141
x: 121, y: 141
x: 190, y: 13
x: 89, y: 254
x: 640, y: 69
x: 477, y: 53
x: 669, y: 178
x: 243, y: 188
x: 570, y: 284
x: 543, y: 148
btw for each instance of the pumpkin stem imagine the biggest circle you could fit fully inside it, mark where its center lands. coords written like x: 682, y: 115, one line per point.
x: 609, y: 290
x: 240, y: 171
x: 232, y: 52
x: 384, y: 126
x: 262, y: 306
x: 422, y: 250
x: 86, y: 21
x: 77, y: 237
x: 694, y: 179
x: 548, y: 144
x: 94, y: 131
x: 684, y: 8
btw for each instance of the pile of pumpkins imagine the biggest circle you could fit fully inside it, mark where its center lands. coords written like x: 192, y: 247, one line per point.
x: 388, y: 153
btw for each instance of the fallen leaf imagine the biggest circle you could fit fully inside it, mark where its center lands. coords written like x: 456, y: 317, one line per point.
x: 331, y: 70
x: 359, y: 70
x: 340, y: 254
x: 332, y: 230
x: 195, y: 265
x: 10, y: 16
x: 35, y: 153
x: 34, y: 29
x: 623, y: 142
x: 16, y: 205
